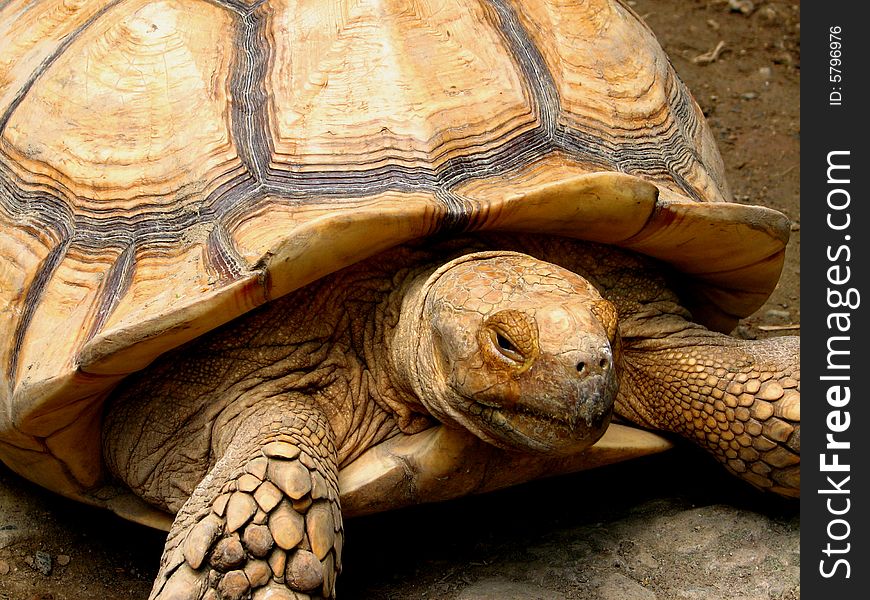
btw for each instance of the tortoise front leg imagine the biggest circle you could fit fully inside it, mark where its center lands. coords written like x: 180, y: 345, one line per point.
x: 740, y: 399
x: 265, y: 521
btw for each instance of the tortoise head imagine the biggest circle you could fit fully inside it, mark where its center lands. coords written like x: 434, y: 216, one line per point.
x: 518, y: 351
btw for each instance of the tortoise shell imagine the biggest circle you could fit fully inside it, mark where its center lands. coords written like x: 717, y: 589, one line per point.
x: 166, y: 166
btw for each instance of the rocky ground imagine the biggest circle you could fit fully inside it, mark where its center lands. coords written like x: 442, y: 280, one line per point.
x: 672, y: 526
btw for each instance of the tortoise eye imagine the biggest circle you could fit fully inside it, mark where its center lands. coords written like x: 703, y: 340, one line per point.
x: 507, y: 347
x: 512, y: 335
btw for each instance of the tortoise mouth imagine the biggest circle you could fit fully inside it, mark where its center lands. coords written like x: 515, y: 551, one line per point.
x: 525, y: 429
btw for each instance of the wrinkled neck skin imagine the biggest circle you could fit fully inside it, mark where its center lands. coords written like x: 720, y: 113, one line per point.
x: 352, y: 342
x: 166, y: 426
x: 411, y: 346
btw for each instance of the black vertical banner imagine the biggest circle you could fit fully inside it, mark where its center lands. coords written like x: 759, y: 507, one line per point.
x: 835, y: 300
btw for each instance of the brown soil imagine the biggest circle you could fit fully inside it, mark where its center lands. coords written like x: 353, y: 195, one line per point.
x: 671, y: 526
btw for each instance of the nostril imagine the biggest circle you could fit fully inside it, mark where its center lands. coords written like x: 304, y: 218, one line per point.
x: 597, y: 366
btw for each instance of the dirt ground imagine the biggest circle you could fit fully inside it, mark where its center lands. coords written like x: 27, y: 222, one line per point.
x: 674, y: 526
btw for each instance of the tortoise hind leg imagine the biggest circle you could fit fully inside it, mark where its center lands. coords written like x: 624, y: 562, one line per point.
x: 740, y: 399
x: 265, y: 521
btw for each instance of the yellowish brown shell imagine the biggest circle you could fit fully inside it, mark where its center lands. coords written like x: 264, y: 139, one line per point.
x: 166, y: 166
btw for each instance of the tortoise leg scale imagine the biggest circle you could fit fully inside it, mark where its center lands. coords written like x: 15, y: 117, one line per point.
x: 265, y: 522
x: 740, y: 399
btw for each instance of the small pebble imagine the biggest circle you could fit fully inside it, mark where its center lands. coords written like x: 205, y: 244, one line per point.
x: 783, y: 315
x: 63, y: 560
x: 746, y: 7
x: 4, y: 568
x: 744, y: 332
x: 42, y: 562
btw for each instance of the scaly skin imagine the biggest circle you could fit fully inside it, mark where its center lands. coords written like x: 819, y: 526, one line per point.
x: 739, y: 399
x: 195, y: 434
x: 242, y: 432
x: 519, y: 354
x: 266, y: 518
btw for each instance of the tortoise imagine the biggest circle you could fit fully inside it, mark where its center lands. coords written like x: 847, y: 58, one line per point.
x: 267, y: 265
